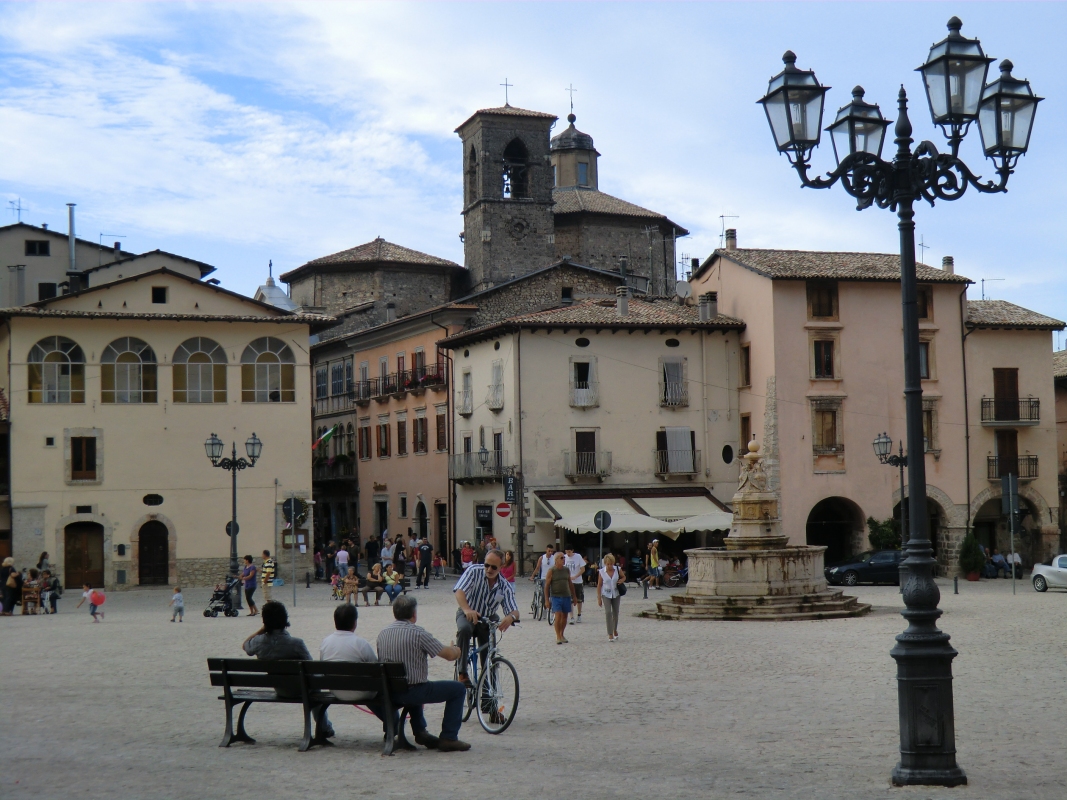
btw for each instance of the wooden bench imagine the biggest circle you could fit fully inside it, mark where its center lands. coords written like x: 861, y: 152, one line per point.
x: 311, y: 685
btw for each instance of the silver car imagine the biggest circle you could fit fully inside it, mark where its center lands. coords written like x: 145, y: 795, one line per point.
x: 1051, y: 575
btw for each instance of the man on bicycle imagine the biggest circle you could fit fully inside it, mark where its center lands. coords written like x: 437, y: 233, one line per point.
x: 479, y: 592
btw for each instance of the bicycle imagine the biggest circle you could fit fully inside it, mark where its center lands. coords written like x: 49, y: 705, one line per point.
x: 675, y: 575
x: 537, y: 607
x: 497, y: 685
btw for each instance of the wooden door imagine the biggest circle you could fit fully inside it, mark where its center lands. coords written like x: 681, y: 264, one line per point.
x: 1006, y: 394
x: 1007, y: 453
x: 84, y: 555
x: 152, y: 550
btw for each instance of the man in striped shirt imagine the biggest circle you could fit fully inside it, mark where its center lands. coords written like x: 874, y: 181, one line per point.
x: 406, y: 642
x: 480, y: 591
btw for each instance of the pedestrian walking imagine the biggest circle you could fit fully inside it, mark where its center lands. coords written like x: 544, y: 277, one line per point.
x: 388, y: 548
x: 341, y: 559
x: 95, y: 598
x: 608, y: 594
x: 559, y: 591
x: 9, y: 583
x: 576, y: 566
x: 438, y: 564
x: 267, y: 572
x: 248, y: 575
x: 507, y: 572
x: 652, y: 564
x: 425, y: 552
x: 467, y: 555
x: 177, y: 604
x: 329, y: 553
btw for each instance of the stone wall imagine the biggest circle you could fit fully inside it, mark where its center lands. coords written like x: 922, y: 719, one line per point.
x: 202, y: 571
x: 540, y: 292
x: 600, y: 241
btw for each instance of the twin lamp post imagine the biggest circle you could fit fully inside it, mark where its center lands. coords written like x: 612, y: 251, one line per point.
x: 214, y: 447
x: 955, y: 77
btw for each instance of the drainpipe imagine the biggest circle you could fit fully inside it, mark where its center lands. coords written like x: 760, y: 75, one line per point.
x: 450, y: 534
x: 521, y: 520
x: 964, y: 333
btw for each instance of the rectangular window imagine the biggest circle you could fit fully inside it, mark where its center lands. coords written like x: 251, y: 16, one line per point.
x: 159, y: 294
x: 498, y: 441
x: 383, y: 367
x: 676, y: 451
x: 822, y: 299
x: 364, y: 372
x: 924, y: 360
x: 320, y: 382
x: 46, y: 291
x: 583, y: 174
x: 468, y: 443
x: 567, y: 295
x: 673, y: 389
x: 746, y: 369
x: 401, y: 362
x: 825, y: 429
x: 383, y: 439
x: 928, y: 430
x: 403, y: 506
x: 337, y: 378
x: 401, y: 437
x: 420, y: 436
x: 746, y: 432
x: 824, y: 359
x: 925, y: 302
x: 442, y: 429
x: 349, y: 384
x: 35, y: 247
x: 581, y: 374
x: 83, y: 458
x: 364, y: 439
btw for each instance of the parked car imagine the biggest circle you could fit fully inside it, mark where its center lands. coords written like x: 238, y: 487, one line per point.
x: 875, y: 566
x: 1051, y: 574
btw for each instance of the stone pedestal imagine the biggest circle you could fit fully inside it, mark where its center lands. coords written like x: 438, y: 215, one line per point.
x: 756, y: 576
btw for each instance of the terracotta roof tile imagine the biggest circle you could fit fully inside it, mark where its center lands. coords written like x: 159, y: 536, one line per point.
x: 1002, y: 314
x: 381, y: 250
x: 1059, y: 364
x: 507, y: 111
x: 811, y: 264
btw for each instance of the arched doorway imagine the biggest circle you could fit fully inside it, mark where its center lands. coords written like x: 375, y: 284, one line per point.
x: 991, y: 529
x: 833, y: 523
x: 83, y: 555
x: 152, y: 554
x: 421, y: 520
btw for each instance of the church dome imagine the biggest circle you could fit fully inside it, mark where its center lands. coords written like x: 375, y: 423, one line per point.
x: 572, y: 138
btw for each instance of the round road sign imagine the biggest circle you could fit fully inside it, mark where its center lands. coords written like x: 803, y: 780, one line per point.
x: 602, y: 520
x: 503, y: 509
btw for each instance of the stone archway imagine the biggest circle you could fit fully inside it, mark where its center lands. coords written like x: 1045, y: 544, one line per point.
x: 172, y: 546
x: 837, y: 524
x: 421, y: 520
x: 1038, y: 503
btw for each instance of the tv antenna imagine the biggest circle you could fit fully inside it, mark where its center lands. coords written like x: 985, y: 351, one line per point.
x: 100, y: 252
x: 506, y: 86
x: 924, y: 247
x: 722, y: 233
x: 988, y: 280
x: 570, y: 90
x: 16, y: 208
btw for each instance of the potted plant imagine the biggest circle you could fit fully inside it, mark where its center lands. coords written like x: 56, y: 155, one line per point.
x: 972, y: 557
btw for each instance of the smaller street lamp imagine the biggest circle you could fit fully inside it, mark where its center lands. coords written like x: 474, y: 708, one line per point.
x: 793, y: 104
x: 1006, y: 116
x: 483, y: 457
x: 954, y: 74
x: 883, y: 448
x: 859, y: 128
x: 213, y: 447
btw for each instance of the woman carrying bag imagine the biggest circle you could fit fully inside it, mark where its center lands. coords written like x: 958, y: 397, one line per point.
x: 610, y: 587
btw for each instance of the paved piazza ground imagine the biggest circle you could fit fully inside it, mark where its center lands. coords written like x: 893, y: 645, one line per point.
x: 123, y: 709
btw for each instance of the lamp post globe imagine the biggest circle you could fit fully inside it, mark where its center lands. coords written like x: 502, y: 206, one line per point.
x: 954, y: 75
x: 253, y: 447
x: 858, y: 128
x: 883, y: 446
x: 483, y: 456
x: 794, y: 104
x: 213, y: 447
x: 1006, y: 116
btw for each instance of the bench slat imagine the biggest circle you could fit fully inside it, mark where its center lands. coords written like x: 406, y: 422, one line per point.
x: 236, y: 665
x: 288, y: 683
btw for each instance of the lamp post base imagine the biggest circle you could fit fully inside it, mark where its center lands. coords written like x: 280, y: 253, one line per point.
x: 903, y: 776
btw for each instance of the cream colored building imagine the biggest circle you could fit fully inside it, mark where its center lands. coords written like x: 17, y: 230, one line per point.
x: 623, y: 406
x: 822, y: 375
x: 113, y: 391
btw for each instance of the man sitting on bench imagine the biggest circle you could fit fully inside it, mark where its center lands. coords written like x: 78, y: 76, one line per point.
x: 344, y: 645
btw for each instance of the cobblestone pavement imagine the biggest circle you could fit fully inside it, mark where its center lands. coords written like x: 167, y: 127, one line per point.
x: 123, y: 709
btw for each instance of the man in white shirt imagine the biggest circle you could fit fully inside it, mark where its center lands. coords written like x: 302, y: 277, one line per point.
x: 344, y: 645
x: 342, y: 560
x: 575, y: 564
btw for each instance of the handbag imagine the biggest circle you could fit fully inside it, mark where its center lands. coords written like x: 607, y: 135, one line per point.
x: 621, y: 588
x: 12, y: 581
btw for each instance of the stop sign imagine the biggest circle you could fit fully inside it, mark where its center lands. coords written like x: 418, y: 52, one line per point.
x: 503, y: 509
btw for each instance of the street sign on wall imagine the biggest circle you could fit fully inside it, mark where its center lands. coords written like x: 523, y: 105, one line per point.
x: 503, y: 509
x: 602, y: 520
x: 511, y: 489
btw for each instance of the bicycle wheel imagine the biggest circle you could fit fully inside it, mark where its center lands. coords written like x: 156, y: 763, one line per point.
x: 535, y: 604
x: 498, y: 696
x: 468, y: 701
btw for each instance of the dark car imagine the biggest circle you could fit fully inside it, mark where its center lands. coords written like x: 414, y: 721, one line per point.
x: 877, y: 566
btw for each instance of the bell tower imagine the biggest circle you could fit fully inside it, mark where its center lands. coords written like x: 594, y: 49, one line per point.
x: 574, y: 158
x: 508, y: 226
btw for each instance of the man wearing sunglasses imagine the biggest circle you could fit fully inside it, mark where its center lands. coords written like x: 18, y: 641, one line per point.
x: 479, y: 592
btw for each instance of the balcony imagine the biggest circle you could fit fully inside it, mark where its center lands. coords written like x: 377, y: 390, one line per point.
x: 419, y: 379
x: 586, y: 464
x: 585, y: 394
x: 465, y: 402
x: 336, y: 468
x: 1023, y: 466
x: 381, y: 388
x: 494, y: 398
x: 673, y: 394
x: 468, y: 467
x: 676, y: 462
x: 357, y: 394
x: 1011, y: 412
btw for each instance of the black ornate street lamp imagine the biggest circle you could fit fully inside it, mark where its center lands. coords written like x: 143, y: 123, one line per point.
x: 214, y: 446
x: 955, y: 75
x: 883, y: 448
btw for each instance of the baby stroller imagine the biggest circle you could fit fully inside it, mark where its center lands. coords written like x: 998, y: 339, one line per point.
x: 222, y: 599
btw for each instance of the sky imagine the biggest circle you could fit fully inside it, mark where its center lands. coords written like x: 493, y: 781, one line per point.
x: 247, y: 133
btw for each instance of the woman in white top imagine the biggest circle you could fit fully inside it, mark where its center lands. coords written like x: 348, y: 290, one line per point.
x: 607, y: 594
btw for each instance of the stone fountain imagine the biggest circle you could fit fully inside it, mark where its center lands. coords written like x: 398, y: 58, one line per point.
x: 757, y: 576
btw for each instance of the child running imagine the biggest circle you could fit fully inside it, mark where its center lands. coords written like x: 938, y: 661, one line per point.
x: 88, y: 596
x: 179, y: 605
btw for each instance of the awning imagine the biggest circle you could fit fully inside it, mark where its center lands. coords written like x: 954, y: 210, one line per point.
x: 713, y: 521
x: 578, y: 507
x: 621, y: 522
x: 676, y: 508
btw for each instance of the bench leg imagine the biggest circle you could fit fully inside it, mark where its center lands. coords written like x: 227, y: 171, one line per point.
x: 306, y: 743
x: 242, y: 735
x: 319, y: 712
x: 227, y: 734
x: 402, y: 740
x: 390, y: 732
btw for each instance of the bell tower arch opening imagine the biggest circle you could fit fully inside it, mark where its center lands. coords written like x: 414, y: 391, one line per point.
x: 515, y: 176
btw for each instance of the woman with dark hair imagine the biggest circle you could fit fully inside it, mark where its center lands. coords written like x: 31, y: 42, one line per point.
x: 248, y: 575
x: 10, y: 585
x: 507, y: 572
x: 272, y: 641
x: 43, y: 563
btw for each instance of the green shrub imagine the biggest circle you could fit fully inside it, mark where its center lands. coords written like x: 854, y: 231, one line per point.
x: 972, y: 557
x: 884, y: 535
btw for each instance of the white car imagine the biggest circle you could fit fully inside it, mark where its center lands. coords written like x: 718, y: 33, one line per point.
x: 1051, y: 574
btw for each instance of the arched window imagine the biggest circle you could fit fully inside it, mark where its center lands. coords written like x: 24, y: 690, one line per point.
x: 199, y: 372
x: 268, y: 372
x: 128, y: 372
x: 516, y: 175
x: 56, y: 371
x: 472, y: 176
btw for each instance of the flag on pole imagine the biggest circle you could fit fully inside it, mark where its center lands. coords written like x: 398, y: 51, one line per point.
x: 324, y: 438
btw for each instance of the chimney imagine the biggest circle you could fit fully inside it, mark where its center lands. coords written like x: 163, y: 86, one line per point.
x: 18, y: 272
x: 703, y: 306
x: 696, y: 264
x: 70, y: 238
x: 390, y: 312
x: 44, y: 226
x: 710, y: 301
x: 948, y: 264
x: 622, y: 301
x: 118, y: 249
x: 624, y: 264
x: 731, y: 238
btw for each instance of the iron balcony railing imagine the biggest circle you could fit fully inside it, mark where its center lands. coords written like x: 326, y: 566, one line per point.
x: 585, y: 394
x: 673, y: 394
x: 1023, y: 466
x: 469, y: 466
x: 1011, y: 410
x: 677, y: 462
x: 586, y: 464
x: 494, y: 398
x: 465, y: 402
x: 341, y: 468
